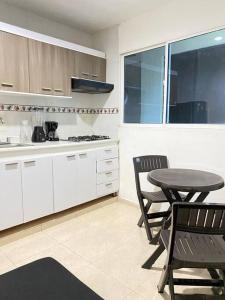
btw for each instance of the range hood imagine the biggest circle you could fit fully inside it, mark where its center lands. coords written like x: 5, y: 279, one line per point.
x: 79, y: 85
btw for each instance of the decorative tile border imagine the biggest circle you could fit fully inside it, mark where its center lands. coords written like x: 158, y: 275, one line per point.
x: 57, y: 109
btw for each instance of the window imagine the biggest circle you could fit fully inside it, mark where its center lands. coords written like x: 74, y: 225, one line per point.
x: 143, y: 86
x: 196, y: 81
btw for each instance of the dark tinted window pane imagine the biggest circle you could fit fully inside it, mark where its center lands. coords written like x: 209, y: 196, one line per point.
x: 143, y: 86
x: 196, y: 86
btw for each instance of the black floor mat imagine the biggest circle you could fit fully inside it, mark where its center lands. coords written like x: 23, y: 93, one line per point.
x: 43, y: 279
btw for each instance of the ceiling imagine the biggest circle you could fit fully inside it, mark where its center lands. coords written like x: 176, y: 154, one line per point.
x: 88, y: 15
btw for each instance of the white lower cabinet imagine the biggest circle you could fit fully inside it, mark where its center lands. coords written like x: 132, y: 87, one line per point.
x: 74, y: 179
x: 11, y: 208
x: 37, y: 185
x: 107, y: 188
x: 87, y: 176
x: 65, y: 178
x: 41, y: 185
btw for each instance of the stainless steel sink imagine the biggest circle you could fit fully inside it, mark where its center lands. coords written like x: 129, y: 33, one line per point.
x: 12, y: 145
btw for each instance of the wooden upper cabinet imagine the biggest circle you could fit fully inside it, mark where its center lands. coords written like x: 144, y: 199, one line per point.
x: 49, y: 69
x: 98, y: 68
x: 61, y: 71
x: 83, y: 65
x: 14, y: 74
x: 40, y: 67
x: 90, y: 67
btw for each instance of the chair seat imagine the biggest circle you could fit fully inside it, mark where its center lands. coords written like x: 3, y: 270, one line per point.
x: 195, y: 250
x: 157, y: 197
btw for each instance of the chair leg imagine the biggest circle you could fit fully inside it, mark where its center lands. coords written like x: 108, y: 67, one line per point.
x: 171, y: 285
x: 167, y: 277
x: 155, y: 239
x: 147, y: 227
x: 155, y: 255
x: 163, y: 279
x: 141, y: 220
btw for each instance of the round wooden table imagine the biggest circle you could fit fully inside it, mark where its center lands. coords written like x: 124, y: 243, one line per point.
x: 173, y: 181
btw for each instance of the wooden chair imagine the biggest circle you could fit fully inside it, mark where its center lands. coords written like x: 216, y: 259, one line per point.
x: 196, y: 240
x: 144, y: 164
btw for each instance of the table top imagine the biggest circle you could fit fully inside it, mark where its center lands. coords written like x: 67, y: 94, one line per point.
x: 186, y: 180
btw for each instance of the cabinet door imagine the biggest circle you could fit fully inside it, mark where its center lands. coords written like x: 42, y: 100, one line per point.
x: 66, y: 181
x: 84, y: 65
x: 61, y: 71
x: 14, y: 74
x: 73, y: 63
x: 11, y: 208
x: 98, y: 69
x: 37, y: 188
x: 40, y: 67
x: 87, y: 176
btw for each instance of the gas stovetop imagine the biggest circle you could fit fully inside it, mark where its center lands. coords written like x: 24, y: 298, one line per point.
x: 88, y: 138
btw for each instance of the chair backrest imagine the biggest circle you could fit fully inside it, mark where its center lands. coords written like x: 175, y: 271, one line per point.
x: 201, y: 218
x: 143, y: 164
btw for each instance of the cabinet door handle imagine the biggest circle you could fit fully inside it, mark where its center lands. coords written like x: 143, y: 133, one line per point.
x: 108, y: 184
x: 83, y: 154
x: 6, y: 84
x: 108, y: 173
x: 58, y: 90
x: 85, y: 73
x: 94, y: 75
x: 30, y: 162
x: 46, y: 89
x: 11, y: 164
x: 71, y: 156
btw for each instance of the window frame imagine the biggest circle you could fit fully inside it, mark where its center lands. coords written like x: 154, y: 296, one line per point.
x: 165, y: 86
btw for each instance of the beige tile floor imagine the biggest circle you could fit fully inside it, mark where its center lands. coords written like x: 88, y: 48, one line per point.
x: 101, y: 245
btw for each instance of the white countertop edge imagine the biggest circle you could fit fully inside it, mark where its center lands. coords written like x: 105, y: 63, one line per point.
x: 60, y: 144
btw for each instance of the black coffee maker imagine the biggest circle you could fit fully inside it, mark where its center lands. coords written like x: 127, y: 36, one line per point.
x: 50, y: 128
x: 38, y: 135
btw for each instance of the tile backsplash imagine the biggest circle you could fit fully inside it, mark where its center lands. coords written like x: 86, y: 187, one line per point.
x: 76, y: 115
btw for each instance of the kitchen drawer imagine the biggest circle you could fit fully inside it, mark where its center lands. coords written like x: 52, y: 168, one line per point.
x: 109, y: 152
x: 107, y: 165
x: 107, y: 176
x: 107, y: 188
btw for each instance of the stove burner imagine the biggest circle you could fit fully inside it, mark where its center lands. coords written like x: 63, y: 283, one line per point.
x: 88, y: 138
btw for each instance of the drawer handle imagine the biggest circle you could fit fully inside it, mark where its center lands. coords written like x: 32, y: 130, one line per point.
x: 85, y: 73
x: 108, y: 173
x: 108, y: 161
x: 46, y: 89
x: 94, y: 75
x: 12, y: 164
x: 71, y: 156
x: 108, y: 184
x: 58, y: 90
x: 7, y: 84
x: 83, y: 154
x: 108, y: 150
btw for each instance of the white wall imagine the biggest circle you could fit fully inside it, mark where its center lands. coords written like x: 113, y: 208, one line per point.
x: 107, y: 41
x: 202, y: 148
x: 177, y: 19
x: 19, y: 17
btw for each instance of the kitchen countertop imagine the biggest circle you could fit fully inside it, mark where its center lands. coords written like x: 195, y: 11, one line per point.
x: 54, y: 147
